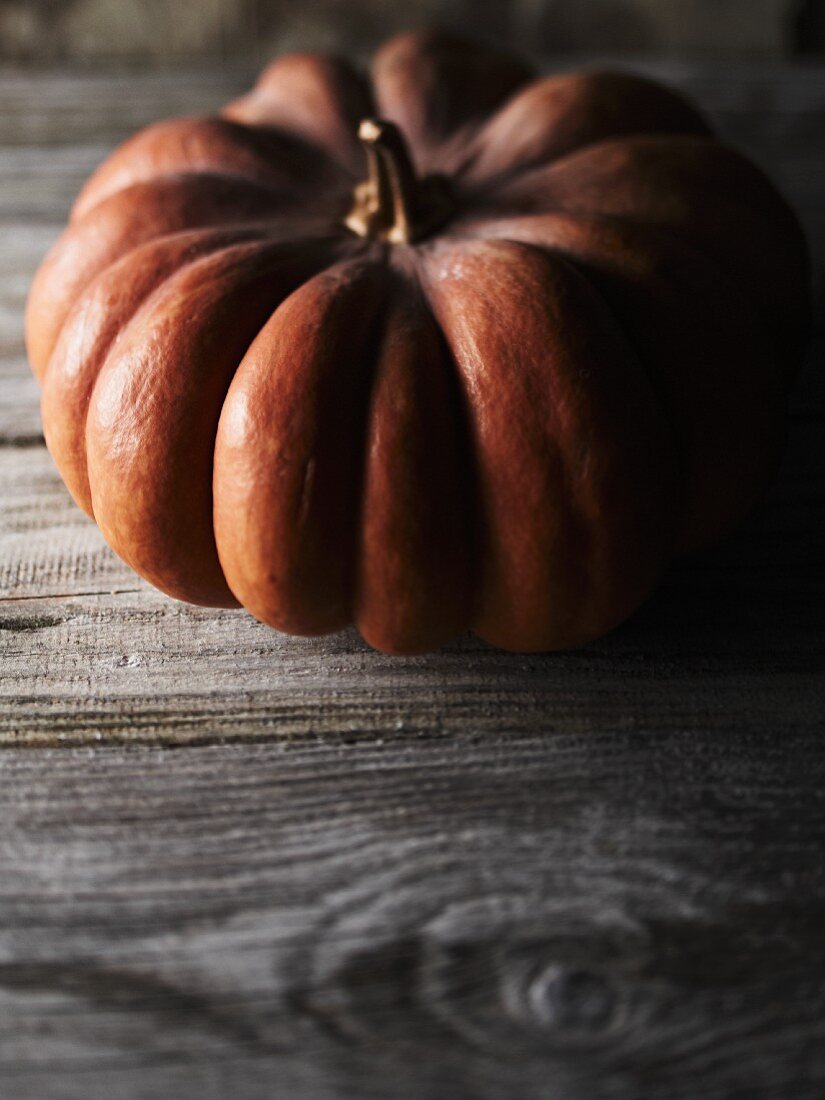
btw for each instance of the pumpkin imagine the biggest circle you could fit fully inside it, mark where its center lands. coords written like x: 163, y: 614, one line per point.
x: 446, y: 348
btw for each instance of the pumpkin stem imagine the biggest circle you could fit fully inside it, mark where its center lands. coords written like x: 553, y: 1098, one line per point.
x: 393, y: 204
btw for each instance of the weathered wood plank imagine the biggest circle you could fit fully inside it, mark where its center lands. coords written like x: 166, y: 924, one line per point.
x: 60, y: 126
x: 174, y: 30
x: 47, y: 545
x: 38, y: 186
x: 131, y: 666
x: 20, y: 423
x: 56, y: 126
x: 40, y: 526
x: 90, y: 651
x: 631, y: 913
x: 52, y: 107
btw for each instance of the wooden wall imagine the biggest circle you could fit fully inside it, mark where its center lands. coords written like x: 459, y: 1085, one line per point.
x: 141, y: 30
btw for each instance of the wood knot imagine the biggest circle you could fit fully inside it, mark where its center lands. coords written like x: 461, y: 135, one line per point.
x: 572, y: 1001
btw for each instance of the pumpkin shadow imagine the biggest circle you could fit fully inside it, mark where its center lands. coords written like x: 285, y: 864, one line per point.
x: 761, y: 593
x: 731, y: 636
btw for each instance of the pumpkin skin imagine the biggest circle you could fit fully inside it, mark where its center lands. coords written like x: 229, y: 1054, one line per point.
x: 509, y: 423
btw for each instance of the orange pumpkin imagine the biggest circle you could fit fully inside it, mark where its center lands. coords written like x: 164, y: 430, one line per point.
x: 439, y: 350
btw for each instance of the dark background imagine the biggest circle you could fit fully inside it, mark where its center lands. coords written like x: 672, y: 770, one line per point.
x: 163, y: 30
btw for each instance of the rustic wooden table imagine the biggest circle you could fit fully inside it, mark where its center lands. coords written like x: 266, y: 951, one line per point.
x: 233, y: 864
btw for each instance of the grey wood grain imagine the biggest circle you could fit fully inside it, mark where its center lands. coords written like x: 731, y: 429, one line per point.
x: 235, y: 864
x: 473, y: 914
x: 735, y: 633
x: 178, y: 29
x: 52, y: 108
x: 56, y: 128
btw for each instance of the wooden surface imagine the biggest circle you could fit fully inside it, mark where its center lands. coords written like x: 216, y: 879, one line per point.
x: 237, y: 865
x: 50, y: 30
